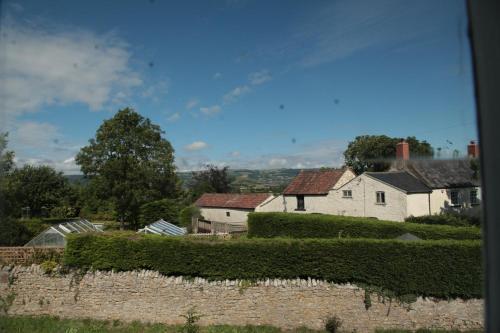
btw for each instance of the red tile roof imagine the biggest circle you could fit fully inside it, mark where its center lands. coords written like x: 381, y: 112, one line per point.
x: 231, y: 200
x: 314, y: 182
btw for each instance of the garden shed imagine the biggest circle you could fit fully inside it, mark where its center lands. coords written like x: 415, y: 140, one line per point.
x: 56, y: 234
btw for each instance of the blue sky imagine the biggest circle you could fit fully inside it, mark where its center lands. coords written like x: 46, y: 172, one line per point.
x: 249, y: 84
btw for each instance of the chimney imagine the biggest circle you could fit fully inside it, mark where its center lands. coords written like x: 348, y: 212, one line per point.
x: 473, y: 149
x: 403, y: 150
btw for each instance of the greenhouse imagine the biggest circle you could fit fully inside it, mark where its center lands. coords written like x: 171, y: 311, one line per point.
x: 162, y: 227
x: 56, y: 234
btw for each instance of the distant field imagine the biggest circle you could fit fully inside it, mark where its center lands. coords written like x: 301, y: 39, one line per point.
x: 46, y: 324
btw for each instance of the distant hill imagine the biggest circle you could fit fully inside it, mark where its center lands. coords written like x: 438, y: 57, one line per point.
x: 242, y: 180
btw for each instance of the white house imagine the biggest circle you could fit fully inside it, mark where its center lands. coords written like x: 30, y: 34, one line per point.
x: 311, y: 191
x: 385, y: 195
x: 411, y: 188
x: 233, y: 208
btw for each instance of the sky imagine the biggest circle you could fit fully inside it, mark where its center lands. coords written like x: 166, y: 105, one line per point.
x: 247, y: 84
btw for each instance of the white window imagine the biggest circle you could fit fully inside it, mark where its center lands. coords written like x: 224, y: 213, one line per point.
x: 347, y: 194
x: 473, y: 197
x: 381, y: 197
x: 454, y: 198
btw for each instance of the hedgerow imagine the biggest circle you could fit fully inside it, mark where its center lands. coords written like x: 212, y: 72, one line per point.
x: 333, y: 226
x: 444, y: 269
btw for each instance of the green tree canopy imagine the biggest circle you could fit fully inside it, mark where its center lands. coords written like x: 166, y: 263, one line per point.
x: 375, y: 152
x: 133, y: 162
x: 41, y: 188
x: 210, y: 180
x: 166, y: 209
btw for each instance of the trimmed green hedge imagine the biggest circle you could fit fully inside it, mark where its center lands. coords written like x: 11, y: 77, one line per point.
x: 442, y: 268
x: 333, y: 226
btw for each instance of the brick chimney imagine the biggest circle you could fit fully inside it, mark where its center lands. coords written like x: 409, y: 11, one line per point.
x: 403, y: 150
x: 473, y: 149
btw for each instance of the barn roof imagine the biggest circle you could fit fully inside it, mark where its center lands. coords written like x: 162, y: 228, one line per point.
x: 402, y: 180
x: 232, y: 200
x: 315, y: 182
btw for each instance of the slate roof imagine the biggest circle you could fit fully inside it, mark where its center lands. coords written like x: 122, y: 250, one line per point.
x: 232, y: 200
x: 317, y: 182
x: 442, y: 173
x: 402, y: 180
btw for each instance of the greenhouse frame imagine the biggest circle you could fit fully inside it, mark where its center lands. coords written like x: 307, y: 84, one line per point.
x: 162, y: 227
x: 55, y: 236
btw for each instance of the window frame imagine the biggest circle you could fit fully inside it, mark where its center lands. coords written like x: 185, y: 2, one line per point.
x: 301, y: 199
x: 474, y: 200
x: 347, y: 194
x: 456, y: 203
x: 382, y: 200
x: 228, y: 214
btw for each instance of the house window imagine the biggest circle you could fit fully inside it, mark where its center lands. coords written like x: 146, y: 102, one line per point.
x: 347, y: 194
x: 228, y: 214
x: 473, y: 197
x: 454, y: 198
x: 381, y: 197
x: 300, y: 203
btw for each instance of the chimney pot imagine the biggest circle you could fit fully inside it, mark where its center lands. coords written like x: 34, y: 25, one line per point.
x: 473, y: 149
x: 403, y: 150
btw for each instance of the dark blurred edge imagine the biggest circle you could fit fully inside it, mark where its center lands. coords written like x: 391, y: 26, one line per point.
x: 484, y: 24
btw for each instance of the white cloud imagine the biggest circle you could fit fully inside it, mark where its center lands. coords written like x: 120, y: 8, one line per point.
x: 235, y: 94
x: 211, y: 110
x: 156, y: 91
x: 67, y: 166
x: 326, y: 153
x: 235, y: 154
x: 197, y: 145
x: 259, y: 77
x: 217, y: 76
x: 174, y: 117
x: 43, y: 65
x: 34, y: 134
x: 278, y: 162
x: 191, y: 103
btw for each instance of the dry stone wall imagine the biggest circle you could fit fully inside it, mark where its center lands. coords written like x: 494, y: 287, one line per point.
x: 150, y: 297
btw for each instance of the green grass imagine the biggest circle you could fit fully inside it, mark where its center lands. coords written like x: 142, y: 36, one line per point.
x: 45, y: 324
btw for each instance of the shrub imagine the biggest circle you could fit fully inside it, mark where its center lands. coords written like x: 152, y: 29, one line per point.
x: 450, y: 218
x: 187, y: 214
x: 332, y: 226
x: 443, y: 268
x: 14, y: 232
x: 167, y: 209
x: 332, y: 324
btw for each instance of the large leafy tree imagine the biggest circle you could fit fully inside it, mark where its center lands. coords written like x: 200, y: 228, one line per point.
x: 375, y: 152
x: 38, y: 189
x: 132, y: 162
x: 210, y: 180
